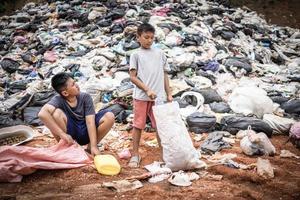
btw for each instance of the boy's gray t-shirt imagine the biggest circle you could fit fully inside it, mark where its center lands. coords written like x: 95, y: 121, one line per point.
x: 150, y: 65
x: 83, y: 108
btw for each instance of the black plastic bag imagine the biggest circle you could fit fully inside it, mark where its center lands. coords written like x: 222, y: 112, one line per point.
x: 214, y: 142
x: 31, y: 116
x: 292, y: 106
x: 9, y: 65
x: 201, y: 122
x: 9, y: 120
x: 233, y: 124
x: 220, y: 107
x: 209, y: 95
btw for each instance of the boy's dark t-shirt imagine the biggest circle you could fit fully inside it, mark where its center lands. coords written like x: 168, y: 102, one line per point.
x: 83, y: 108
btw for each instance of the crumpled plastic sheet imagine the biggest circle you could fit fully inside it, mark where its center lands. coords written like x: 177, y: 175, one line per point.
x: 16, y: 161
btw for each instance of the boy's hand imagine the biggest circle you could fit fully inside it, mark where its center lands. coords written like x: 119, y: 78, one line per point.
x: 169, y: 98
x: 95, y: 151
x: 67, y: 138
x: 151, y: 94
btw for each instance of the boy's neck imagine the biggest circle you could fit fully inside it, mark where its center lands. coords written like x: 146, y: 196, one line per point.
x: 145, y: 48
x: 72, y: 99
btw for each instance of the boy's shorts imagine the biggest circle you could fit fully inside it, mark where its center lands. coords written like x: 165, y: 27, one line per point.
x: 78, y: 129
x: 142, y: 109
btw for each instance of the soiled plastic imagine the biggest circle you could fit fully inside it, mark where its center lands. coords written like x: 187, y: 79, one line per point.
x: 107, y: 165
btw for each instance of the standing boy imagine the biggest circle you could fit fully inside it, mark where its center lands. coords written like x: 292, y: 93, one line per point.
x: 71, y: 115
x: 148, y: 68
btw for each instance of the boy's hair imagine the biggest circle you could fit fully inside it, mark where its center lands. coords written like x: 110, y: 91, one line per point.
x: 59, y: 81
x: 145, y: 27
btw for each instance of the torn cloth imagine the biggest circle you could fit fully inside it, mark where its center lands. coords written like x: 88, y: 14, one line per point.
x: 16, y: 161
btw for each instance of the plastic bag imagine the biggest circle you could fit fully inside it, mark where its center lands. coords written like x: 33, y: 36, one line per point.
x: 280, y: 125
x: 178, y: 150
x: 195, y: 100
x: 250, y: 100
x: 233, y: 124
x: 257, y: 144
x: 201, y: 122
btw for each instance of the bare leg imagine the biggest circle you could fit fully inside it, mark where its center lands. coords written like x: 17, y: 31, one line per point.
x: 136, y: 140
x: 61, y: 120
x: 159, y: 144
x: 106, y: 122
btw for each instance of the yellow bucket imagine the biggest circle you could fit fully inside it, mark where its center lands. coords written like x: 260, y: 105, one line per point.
x: 107, y: 165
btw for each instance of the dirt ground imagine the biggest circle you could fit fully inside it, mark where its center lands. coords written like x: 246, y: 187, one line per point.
x: 85, y: 182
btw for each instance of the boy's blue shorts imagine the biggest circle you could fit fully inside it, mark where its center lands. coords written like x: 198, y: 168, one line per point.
x: 78, y: 129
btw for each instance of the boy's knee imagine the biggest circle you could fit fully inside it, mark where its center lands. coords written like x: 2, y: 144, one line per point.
x: 110, y: 116
x: 59, y: 114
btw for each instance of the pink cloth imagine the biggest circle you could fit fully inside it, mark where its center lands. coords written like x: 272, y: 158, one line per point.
x: 50, y: 56
x: 16, y: 161
x: 160, y: 12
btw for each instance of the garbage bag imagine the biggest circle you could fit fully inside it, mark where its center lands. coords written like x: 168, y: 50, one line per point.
x: 214, y: 142
x: 257, y: 144
x: 9, y: 65
x: 233, y: 124
x: 9, y: 120
x: 295, y: 134
x: 279, y: 125
x: 22, y: 103
x: 250, y: 100
x: 241, y: 63
x: 219, y: 107
x: 31, y: 116
x: 292, y: 106
x: 122, y: 116
x: 203, y: 73
x: 182, y: 102
x: 18, y: 85
x: 178, y: 150
x: 279, y: 99
x: 116, y: 109
x: 41, y: 98
x: 201, y: 122
x: 210, y: 95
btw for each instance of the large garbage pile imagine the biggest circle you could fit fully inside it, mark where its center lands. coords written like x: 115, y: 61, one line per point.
x: 237, y: 69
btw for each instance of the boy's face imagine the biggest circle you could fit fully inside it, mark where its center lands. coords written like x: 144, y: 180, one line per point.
x: 146, y: 39
x: 72, y: 89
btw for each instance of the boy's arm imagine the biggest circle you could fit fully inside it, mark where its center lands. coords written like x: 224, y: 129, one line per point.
x: 167, y: 87
x: 46, y: 117
x: 135, y: 80
x: 91, y: 127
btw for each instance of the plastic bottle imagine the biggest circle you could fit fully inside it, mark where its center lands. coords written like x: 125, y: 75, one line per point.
x: 107, y: 165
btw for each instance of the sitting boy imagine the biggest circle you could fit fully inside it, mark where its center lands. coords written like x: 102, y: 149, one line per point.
x: 71, y: 115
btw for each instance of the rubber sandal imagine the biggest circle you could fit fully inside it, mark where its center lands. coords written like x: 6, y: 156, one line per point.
x: 134, y: 161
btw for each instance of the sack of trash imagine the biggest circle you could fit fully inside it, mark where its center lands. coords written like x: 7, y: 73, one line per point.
x: 233, y: 124
x: 178, y: 150
x: 280, y: 125
x: 201, y: 122
x: 250, y: 100
x: 257, y: 144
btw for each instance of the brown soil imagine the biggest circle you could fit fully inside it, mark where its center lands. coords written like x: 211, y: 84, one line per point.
x: 279, y: 12
x: 85, y: 182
